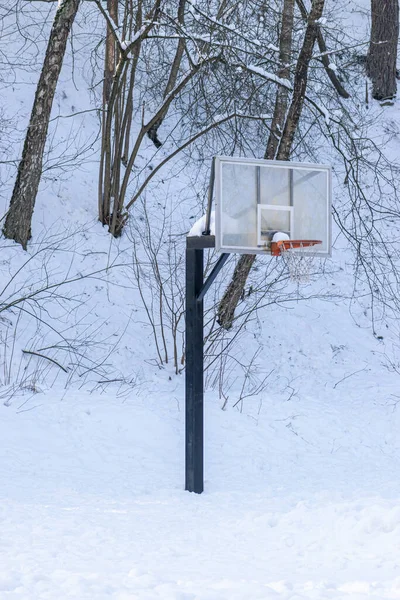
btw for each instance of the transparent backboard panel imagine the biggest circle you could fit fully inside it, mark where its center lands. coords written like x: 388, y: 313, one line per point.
x: 239, y: 213
x: 257, y: 198
x: 274, y: 184
x: 271, y: 219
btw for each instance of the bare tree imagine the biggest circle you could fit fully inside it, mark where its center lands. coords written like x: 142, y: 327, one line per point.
x: 42, y: 304
x: 382, y: 54
x: 19, y: 217
x: 337, y: 84
x: 181, y: 65
x: 279, y: 145
x: 282, y: 93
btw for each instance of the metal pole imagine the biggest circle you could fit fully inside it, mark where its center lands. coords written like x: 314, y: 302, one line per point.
x: 194, y: 427
x: 210, y: 195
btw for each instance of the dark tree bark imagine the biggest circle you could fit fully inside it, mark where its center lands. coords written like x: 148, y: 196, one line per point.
x: 282, y: 93
x: 325, y: 57
x: 110, y: 52
x: 300, y: 81
x: 234, y: 291
x: 173, y: 76
x: 19, y: 217
x: 382, y: 54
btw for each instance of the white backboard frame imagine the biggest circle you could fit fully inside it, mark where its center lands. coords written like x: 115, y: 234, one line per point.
x: 260, y: 246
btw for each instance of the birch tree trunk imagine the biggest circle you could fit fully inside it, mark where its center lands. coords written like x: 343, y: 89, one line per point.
x: 19, y: 217
x: 382, y: 54
x: 279, y: 145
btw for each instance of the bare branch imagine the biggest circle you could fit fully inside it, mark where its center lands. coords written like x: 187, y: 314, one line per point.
x: 46, y: 357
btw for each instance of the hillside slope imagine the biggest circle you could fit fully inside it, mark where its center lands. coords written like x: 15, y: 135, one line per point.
x: 302, y: 499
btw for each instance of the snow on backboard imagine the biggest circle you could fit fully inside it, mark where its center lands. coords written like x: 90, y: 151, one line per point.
x: 256, y: 198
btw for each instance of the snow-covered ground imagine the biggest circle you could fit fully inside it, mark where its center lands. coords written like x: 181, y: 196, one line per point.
x: 302, y: 492
x: 301, y: 499
x: 302, y: 496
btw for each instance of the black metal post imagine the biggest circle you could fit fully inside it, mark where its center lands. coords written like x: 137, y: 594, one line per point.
x: 194, y: 427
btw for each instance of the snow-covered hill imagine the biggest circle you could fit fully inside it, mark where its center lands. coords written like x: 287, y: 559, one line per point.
x: 301, y: 493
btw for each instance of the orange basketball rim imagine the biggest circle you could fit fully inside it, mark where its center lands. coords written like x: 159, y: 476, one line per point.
x: 277, y: 248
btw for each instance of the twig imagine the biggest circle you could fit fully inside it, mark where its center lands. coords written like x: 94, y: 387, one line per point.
x: 46, y: 357
x: 347, y: 376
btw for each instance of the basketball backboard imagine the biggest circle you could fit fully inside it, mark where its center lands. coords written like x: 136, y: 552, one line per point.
x: 254, y: 199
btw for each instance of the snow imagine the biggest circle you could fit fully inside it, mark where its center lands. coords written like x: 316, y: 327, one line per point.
x: 280, y: 236
x: 270, y: 76
x: 200, y: 225
x: 302, y: 493
x: 92, y: 504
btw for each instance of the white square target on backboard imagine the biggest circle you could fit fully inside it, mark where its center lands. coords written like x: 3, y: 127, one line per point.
x: 254, y: 199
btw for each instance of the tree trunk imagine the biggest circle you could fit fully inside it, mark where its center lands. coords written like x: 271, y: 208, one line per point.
x: 300, y: 80
x: 382, y: 54
x: 234, y: 291
x: 324, y: 55
x: 173, y: 75
x: 282, y: 93
x: 19, y: 217
x: 117, y: 116
x: 110, y: 52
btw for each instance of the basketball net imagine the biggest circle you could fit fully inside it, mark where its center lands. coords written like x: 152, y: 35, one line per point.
x: 299, y: 260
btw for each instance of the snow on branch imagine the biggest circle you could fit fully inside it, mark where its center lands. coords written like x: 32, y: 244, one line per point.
x: 270, y: 76
x: 229, y: 28
x: 110, y: 22
x: 124, y: 46
x: 286, y: 83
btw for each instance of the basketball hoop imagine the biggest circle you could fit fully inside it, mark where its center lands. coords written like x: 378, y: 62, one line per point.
x: 296, y: 256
